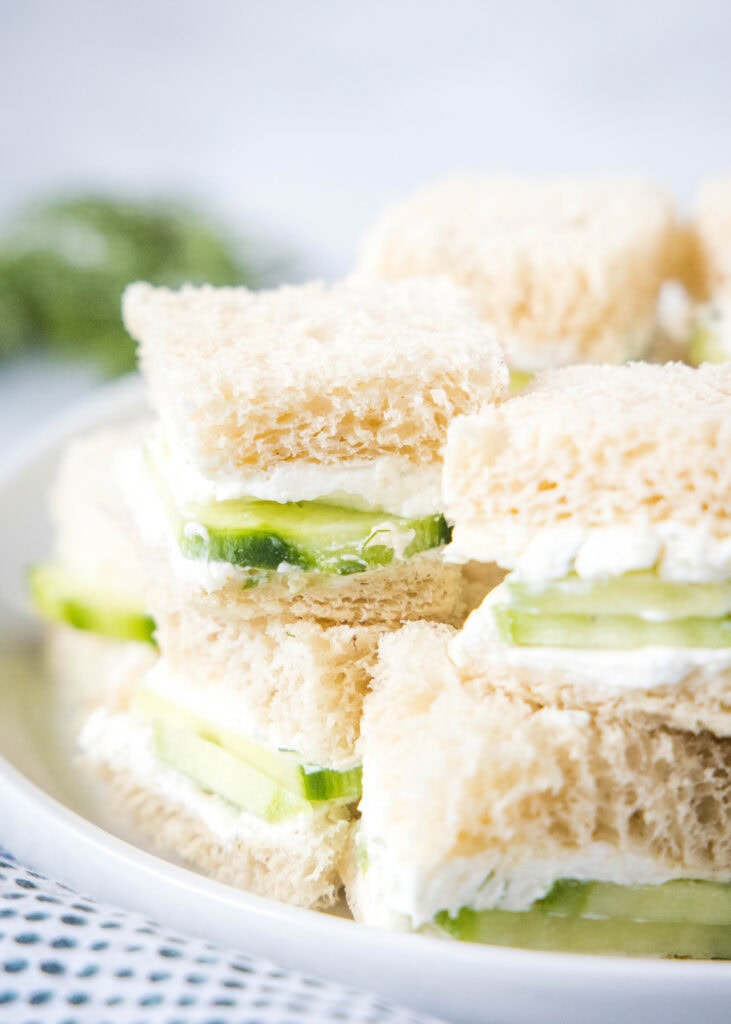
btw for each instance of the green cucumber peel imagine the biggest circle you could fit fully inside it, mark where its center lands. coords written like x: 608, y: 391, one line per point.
x: 307, y: 535
x: 310, y: 536
x: 537, y: 929
x: 682, y: 900
x: 62, y: 595
x: 308, y: 782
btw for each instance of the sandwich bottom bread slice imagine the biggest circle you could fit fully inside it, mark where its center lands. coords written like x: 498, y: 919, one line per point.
x: 535, y: 826
x: 202, y: 790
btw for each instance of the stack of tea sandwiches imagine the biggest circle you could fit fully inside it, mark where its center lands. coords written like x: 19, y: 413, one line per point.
x: 564, y: 760
x: 285, y: 507
x: 343, y: 615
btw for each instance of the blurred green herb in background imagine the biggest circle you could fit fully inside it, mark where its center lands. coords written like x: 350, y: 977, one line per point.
x: 64, y: 264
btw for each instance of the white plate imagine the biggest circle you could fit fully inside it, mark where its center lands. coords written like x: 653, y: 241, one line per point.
x: 49, y: 819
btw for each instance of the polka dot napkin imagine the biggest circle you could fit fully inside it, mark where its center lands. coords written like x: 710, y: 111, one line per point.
x: 67, y: 959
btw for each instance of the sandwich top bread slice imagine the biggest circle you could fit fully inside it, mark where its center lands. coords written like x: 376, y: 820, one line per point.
x: 638, y: 448
x: 606, y: 493
x: 496, y: 819
x: 299, y: 435
x: 311, y: 376
x: 567, y: 270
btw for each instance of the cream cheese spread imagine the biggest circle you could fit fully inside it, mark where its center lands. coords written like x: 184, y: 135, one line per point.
x: 395, y: 891
x: 677, y: 553
x: 390, y: 483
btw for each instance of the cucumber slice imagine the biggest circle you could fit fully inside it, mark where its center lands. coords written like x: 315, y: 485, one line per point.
x: 307, y: 535
x: 609, y: 632
x: 61, y: 595
x: 519, y: 379
x: 284, y: 767
x: 685, y: 900
x: 537, y: 929
x: 319, y: 784
x: 219, y: 772
x: 641, y: 594
x: 706, y: 346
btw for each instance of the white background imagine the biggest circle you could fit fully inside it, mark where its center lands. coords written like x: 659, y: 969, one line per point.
x: 298, y: 119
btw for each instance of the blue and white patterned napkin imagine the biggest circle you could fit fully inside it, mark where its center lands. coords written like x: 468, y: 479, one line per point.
x: 67, y: 959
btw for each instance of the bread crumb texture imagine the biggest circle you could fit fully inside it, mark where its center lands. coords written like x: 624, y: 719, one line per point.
x: 527, y: 782
x: 570, y: 262
x: 327, y: 373
x: 422, y: 587
x: 303, y: 871
x: 595, y: 446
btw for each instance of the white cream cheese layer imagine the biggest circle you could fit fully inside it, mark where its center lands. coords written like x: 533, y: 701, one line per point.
x: 677, y: 553
x: 390, y: 483
x: 125, y: 745
x: 394, y: 891
x: 148, y: 508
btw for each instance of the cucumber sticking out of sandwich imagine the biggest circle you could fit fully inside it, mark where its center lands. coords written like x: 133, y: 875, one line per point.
x: 62, y: 595
x: 621, y: 613
x: 305, y: 782
x: 679, y: 918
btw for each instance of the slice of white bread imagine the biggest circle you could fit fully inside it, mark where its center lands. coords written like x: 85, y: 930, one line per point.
x: 592, y: 446
x: 422, y: 587
x: 94, y: 533
x: 291, y: 685
x: 460, y: 781
x: 713, y: 234
x: 295, y: 861
x: 567, y: 270
x: 323, y: 373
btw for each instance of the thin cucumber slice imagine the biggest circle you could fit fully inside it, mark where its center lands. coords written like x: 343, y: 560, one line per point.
x: 519, y: 380
x: 306, y: 535
x: 688, y: 900
x: 707, y: 346
x: 537, y: 929
x: 61, y: 595
x: 309, y: 782
x: 609, y: 632
x: 219, y: 772
x: 641, y: 594
x: 320, y: 784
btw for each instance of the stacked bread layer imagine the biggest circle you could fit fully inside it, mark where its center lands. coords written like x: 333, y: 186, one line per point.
x: 525, y: 765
